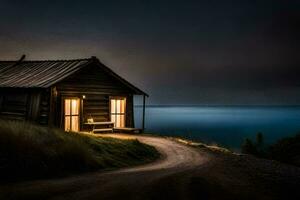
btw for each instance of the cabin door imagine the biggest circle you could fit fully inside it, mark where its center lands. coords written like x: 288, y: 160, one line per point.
x: 71, y: 114
x: 118, y: 111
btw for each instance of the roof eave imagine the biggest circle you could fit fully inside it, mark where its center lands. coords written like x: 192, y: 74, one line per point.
x: 137, y: 90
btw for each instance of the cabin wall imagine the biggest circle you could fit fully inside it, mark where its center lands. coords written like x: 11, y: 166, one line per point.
x: 44, y: 108
x: 13, y: 105
x: 97, y: 86
x: 129, y: 111
x: 24, y: 104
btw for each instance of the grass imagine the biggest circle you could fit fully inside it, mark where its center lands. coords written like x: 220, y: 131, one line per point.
x: 30, y: 151
x: 195, y: 143
x: 213, y: 147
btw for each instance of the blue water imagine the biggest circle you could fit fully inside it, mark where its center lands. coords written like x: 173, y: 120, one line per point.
x: 224, y: 125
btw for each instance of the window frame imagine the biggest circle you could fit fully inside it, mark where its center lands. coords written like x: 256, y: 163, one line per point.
x: 115, y: 114
x: 71, y: 115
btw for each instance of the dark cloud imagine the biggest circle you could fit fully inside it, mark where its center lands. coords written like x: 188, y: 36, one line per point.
x: 233, y: 52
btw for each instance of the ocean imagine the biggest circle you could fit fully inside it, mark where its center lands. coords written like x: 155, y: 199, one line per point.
x: 224, y: 125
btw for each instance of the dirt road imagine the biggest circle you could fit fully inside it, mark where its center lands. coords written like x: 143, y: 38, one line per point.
x: 183, y: 172
x: 125, y: 183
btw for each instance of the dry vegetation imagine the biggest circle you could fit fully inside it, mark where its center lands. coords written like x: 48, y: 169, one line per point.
x: 29, y: 151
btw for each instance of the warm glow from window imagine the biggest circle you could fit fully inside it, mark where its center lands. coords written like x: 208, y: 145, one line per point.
x: 71, y: 114
x: 117, y: 111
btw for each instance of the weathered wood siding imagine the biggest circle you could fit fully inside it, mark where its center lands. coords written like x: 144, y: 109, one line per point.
x: 129, y: 111
x: 13, y: 105
x: 35, y: 90
x: 24, y: 104
x: 44, y: 108
x: 97, y: 86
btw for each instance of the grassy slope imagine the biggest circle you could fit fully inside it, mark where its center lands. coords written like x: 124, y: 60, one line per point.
x: 28, y: 151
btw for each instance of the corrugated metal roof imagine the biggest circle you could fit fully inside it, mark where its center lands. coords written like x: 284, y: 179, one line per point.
x: 45, y: 73
x: 40, y: 74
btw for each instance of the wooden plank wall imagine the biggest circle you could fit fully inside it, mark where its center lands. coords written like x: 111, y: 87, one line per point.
x: 97, y: 86
x: 24, y: 104
x: 44, y: 108
x: 129, y: 111
x: 14, y: 105
x: 96, y: 106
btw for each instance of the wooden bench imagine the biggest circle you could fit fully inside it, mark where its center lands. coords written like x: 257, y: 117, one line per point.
x: 95, y: 124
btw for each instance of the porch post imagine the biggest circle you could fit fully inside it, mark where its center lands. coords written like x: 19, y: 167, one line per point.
x: 144, y: 106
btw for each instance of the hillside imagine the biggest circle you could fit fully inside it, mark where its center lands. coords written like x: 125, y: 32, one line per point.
x: 29, y: 151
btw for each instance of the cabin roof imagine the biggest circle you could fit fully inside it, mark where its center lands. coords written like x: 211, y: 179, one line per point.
x: 45, y: 73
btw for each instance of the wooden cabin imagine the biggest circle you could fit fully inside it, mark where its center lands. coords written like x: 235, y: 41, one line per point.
x: 75, y: 95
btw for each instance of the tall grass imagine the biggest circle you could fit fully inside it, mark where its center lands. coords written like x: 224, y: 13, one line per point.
x: 30, y: 151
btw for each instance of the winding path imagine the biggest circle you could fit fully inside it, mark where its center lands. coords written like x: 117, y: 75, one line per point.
x: 149, y: 181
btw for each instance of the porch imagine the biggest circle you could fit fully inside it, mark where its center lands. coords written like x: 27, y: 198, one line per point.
x: 78, y: 115
x: 110, y: 128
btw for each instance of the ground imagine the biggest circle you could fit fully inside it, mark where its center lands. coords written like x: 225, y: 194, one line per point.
x: 182, y: 172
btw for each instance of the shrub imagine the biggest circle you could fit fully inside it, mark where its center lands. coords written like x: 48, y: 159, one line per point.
x: 286, y: 150
x: 248, y: 147
x: 257, y: 148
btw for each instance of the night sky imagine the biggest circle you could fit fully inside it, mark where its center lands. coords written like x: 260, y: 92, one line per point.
x: 180, y: 52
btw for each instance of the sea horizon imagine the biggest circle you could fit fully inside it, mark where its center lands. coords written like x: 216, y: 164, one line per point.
x: 227, y: 125
x: 219, y: 105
